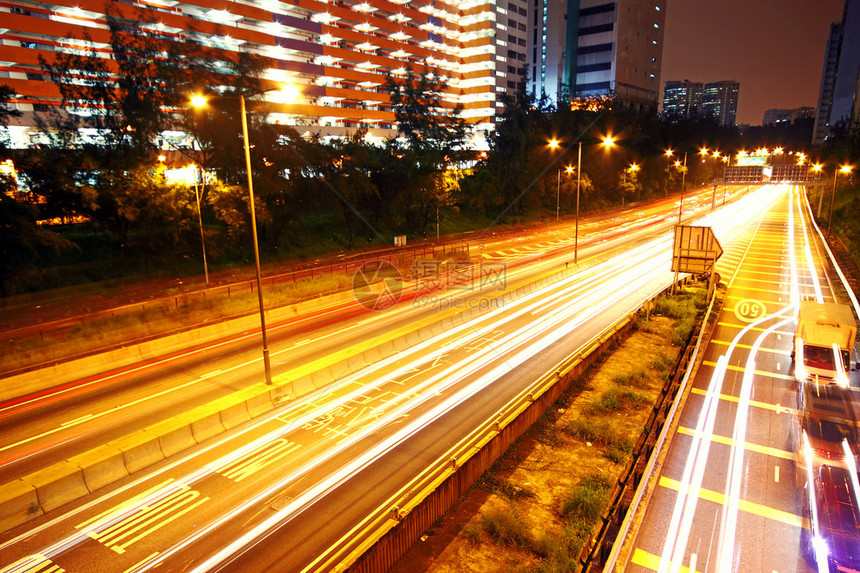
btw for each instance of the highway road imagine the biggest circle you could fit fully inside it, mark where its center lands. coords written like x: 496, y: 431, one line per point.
x: 294, y: 488
x: 725, y: 496
x: 81, y: 413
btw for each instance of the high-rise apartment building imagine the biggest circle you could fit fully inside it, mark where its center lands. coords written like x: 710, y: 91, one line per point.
x: 839, y: 74
x: 717, y: 99
x: 777, y: 116
x: 682, y: 99
x: 720, y: 100
x: 582, y: 49
x: 337, y: 52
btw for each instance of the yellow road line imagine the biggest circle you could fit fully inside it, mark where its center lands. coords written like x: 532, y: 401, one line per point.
x: 756, y: 372
x: 651, y: 561
x: 744, y: 505
x: 749, y: 446
x: 748, y: 347
x: 755, y: 328
x: 779, y: 409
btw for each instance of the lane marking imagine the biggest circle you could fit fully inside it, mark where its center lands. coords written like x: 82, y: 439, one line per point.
x: 746, y: 506
x: 754, y: 329
x: 120, y: 535
x: 748, y: 347
x: 763, y: 405
x: 651, y: 561
x: 33, y: 564
x: 256, y: 460
x: 749, y: 446
x: 756, y: 372
x: 76, y: 420
x: 776, y: 474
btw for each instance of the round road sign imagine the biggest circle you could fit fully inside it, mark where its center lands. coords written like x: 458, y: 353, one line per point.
x: 749, y: 310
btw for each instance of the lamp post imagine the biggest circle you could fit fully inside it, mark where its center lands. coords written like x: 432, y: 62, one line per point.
x: 817, y: 170
x: 289, y: 91
x: 632, y: 169
x: 607, y: 143
x: 844, y: 169
x: 553, y: 144
x: 683, y: 168
x: 578, y: 180
x: 200, y: 218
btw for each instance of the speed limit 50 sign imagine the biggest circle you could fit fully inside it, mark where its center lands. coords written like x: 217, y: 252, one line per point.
x: 749, y: 310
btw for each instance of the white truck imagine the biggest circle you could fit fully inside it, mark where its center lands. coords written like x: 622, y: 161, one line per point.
x: 823, y: 342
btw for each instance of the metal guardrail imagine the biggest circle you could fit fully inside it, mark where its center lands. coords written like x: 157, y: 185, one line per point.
x: 597, y: 549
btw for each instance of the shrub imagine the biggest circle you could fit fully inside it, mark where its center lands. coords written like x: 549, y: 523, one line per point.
x: 663, y: 364
x: 587, y: 500
x: 636, y: 377
x: 608, y: 401
x: 682, y: 330
x: 506, y: 528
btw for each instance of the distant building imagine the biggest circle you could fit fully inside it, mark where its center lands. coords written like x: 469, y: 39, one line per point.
x: 583, y: 49
x: 686, y: 99
x: 786, y: 116
x: 682, y: 99
x: 838, y: 89
x: 720, y: 100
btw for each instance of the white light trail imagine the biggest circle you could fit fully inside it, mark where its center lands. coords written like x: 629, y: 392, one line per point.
x: 728, y: 524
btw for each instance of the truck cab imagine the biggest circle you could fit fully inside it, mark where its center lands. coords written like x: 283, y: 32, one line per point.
x: 823, y: 341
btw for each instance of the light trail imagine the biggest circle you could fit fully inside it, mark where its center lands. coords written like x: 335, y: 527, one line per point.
x: 683, y: 513
x: 631, y: 273
x: 538, y: 298
x: 729, y: 519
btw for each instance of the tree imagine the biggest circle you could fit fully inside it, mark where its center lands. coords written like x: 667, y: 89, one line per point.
x: 22, y: 240
x: 427, y: 123
x: 6, y: 111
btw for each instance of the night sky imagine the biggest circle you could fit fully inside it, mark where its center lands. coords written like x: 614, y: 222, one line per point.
x: 774, y: 48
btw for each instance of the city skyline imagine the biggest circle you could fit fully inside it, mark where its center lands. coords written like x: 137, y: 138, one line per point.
x: 752, y: 43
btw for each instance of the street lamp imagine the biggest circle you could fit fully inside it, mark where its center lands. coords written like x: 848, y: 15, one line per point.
x: 607, y: 143
x: 569, y: 170
x: 844, y: 169
x: 289, y: 93
x: 683, y: 168
x: 632, y: 169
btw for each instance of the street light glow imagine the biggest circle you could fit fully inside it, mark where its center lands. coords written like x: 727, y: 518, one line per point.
x: 553, y: 143
x: 608, y: 141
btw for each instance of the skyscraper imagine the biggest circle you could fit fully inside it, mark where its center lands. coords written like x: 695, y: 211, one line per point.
x: 720, y: 100
x: 839, y: 74
x: 337, y: 52
x: 682, y: 99
x: 717, y: 99
x: 581, y: 49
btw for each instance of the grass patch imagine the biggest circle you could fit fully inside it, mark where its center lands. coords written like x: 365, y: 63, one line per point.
x: 663, y: 364
x: 506, y: 489
x: 587, y: 500
x: 637, y: 378
x: 506, y: 528
x: 601, y: 431
x: 609, y: 401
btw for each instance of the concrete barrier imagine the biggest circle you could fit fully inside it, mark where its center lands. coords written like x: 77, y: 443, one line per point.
x: 206, y: 426
x: 174, y: 436
x: 101, y: 466
x: 235, y: 415
x: 58, y: 484
x: 18, y: 504
x: 139, y: 450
